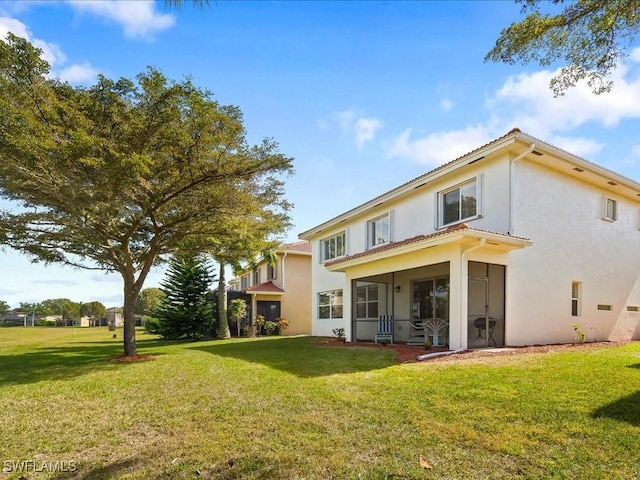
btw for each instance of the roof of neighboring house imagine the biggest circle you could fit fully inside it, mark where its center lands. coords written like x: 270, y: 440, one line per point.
x: 266, y: 287
x: 515, y: 139
x: 302, y: 246
x: 451, y: 231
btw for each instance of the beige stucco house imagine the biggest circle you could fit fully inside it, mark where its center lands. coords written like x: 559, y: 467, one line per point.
x: 281, y: 290
x: 515, y: 243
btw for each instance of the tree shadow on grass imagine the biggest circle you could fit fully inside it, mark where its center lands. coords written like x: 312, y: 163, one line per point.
x: 302, y: 356
x: 56, y: 363
x: 626, y: 409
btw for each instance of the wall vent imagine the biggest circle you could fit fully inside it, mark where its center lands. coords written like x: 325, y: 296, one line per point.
x: 633, y: 308
x: 578, y: 169
x: 605, y: 307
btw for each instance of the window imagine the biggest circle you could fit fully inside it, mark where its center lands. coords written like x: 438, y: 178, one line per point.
x: 378, y: 231
x: 330, y: 304
x: 576, y: 307
x: 333, y: 247
x: 459, y: 203
x: 271, y: 272
x: 367, y: 301
x: 609, y: 209
x: 256, y: 277
x: 244, y: 282
x: 632, y: 308
x: 605, y: 307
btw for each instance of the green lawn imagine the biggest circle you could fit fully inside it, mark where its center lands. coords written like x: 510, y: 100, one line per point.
x: 287, y: 408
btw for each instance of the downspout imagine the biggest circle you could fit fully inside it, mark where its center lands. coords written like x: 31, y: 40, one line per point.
x: 512, y: 183
x: 465, y: 278
x: 284, y: 255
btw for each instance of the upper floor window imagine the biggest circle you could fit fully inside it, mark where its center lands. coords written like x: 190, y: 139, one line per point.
x: 271, y: 272
x: 333, y: 247
x: 378, y: 231
x: 609, y: 209
x: 244, y: 282
x: 256, y: 276
x: 459, y: 203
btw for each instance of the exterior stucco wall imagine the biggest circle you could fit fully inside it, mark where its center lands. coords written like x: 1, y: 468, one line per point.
x: 571, y: 243
x: 322, y: 280
x: 295, y: 306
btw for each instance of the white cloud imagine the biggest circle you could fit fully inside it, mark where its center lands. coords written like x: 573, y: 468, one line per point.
x: 635, y: 151
x: 78, y: 74
x: 52, y: 53
x: 138, y: 18
x: 363, y: 128
x: 635, y: 55
x: 525, y: 101
x: 366, y: 129
x: 439, y: 147
x: 446, y: 104
x: 580, y: 146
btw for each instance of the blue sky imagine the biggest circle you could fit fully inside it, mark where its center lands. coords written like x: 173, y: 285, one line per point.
x: 363, y: 95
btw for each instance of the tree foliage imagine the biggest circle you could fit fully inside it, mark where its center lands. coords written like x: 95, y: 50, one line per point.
x: 63, y: 308
x: 237, y: 311
x: 185, y: 311
x: 589, y: 37
x: 119, y: 175
x: 4, y: 307
x: 149, y: 300
x: 93, y: 309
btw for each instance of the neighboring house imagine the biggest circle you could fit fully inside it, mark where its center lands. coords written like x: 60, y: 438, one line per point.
x: 17, y: 318
x: 514, y: 243
x: 280, y: 290
x: 115, y: 316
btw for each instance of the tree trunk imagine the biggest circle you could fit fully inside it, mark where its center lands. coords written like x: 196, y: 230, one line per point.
x: 223, y: 324
x: 130, y: 297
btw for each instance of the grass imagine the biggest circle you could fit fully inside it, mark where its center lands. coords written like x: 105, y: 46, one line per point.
x: 288, y: 408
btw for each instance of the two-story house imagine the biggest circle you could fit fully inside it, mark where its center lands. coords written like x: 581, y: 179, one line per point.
x: 281, y: 289
x: 515, y: 243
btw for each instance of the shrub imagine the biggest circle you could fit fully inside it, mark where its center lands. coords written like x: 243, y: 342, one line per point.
x: 152, y: 325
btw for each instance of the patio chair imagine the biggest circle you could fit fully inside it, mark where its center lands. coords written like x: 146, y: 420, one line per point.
x: 385, y: 328
x: 437, y: 330
x: 416, y: 333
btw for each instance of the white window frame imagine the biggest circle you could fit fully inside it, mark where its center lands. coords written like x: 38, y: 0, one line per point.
x: 333, y: 297
x: 339, y: 250
x: 609, y: 209
x: 373, y: 239
x: 440, y: 213
x: 576, y: 299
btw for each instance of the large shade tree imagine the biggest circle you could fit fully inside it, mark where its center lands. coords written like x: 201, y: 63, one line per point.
x: 116, y: 176
x: 588, y: 37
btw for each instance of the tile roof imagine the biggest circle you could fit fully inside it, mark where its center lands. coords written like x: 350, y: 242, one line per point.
x: 418, y: 238
x: 266, y: 287
x: 301, y: 246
